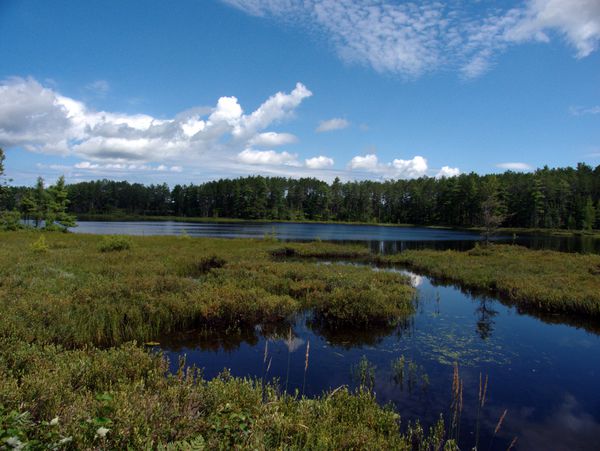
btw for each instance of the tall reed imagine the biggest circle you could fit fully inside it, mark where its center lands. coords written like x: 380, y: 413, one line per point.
x: 305, y: 365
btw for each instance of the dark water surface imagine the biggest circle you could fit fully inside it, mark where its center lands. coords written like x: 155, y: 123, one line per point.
x: 385, y: 239
x: 545, y: 373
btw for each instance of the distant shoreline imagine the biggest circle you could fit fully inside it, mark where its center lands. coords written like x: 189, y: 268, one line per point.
x: 506, y: 230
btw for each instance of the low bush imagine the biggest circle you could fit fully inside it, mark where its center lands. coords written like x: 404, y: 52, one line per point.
x: 114, y: 244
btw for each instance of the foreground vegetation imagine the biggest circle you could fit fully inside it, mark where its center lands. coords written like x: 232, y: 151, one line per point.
x: 545, y: 281
x: 123, y: 398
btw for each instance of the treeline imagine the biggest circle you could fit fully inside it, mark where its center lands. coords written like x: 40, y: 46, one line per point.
x: 547, y: 198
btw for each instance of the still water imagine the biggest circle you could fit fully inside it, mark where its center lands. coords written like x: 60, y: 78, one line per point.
x: 542, y: 370
x: 385, y: 239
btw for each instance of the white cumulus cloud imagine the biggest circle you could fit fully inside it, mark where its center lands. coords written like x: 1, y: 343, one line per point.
x: 398, y: 168
x: 40, y: 119
x: 447, y: 172
x: 320, y: 162
x: 267, y: 157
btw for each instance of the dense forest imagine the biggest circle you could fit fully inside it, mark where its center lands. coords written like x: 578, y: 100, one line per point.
x: 547, y: 198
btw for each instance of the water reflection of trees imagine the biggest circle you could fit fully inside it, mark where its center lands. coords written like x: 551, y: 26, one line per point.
x: 589, y: 324
x: 348, y: 337
x: 485, y: 318
x: 226, y: 339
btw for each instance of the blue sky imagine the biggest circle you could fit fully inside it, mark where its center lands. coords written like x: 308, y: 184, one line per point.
x: 195, y: 90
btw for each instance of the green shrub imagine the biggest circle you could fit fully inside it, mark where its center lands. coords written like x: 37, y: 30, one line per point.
x: 10, y: 220
x: 115, y: 244
x: 40, y: 245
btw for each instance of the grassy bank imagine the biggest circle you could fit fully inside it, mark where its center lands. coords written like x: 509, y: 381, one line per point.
x: 546, y: 281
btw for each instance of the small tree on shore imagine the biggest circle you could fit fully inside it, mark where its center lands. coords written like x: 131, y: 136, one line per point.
x: 39, y: 201
x: 1, y: 177
x: 492, y: 213
x: 1, y: 162
x: 56, y: 215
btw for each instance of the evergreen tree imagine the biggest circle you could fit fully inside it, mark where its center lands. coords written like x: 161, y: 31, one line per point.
x: 28, y: 206
x: 56, y: 213
x: 539, y: 200
x: 589, y: 214
x: 2, y: 189
x: 493, y: 215
x: 40, y: 201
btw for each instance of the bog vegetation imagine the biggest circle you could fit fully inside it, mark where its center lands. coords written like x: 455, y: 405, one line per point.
x: 545, y: 281
x: 77, y: 290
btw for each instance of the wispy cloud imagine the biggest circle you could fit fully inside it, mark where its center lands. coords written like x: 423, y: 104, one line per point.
x: 412, y: 38
x: 99, y: 88
x: 267, y: 157
x: 514, y: 166
x: 581, y: 110
x: 329, y: 125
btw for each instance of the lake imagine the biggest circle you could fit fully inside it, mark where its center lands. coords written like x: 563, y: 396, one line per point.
x: 384, y: 239
x: 542, y: 370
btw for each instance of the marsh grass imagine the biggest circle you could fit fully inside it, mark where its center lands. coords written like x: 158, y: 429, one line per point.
x: 124, y: 398
x: 86, y: 289
x: 544, y: 281
x: 364, y: 374
x: 406, y: 372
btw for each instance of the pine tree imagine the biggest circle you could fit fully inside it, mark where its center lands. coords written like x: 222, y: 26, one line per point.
x: 589, y: 214
x: 28, y: 206
x: 57, y: 206
x: 40, y: 200
x: 539, y: 200
x: 1, y: 174
x: 493, y: 214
